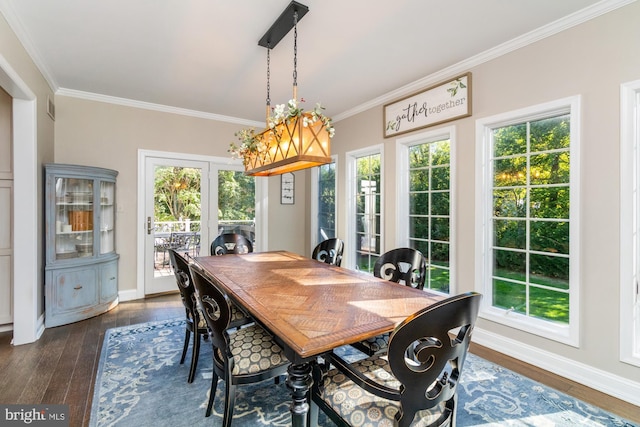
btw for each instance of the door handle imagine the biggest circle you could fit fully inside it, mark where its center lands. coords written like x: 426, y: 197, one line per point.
x: 148, y: 225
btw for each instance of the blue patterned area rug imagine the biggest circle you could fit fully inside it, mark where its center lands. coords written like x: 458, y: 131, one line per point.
x: 141, y: 383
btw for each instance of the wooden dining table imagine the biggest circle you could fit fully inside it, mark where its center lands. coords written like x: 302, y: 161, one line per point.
x: 311, y: 307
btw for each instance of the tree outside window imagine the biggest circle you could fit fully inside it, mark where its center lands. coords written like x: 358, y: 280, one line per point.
x: 236, y: 203
x: 429, y: 209
x: 177, y: 198
x: 530, y: 221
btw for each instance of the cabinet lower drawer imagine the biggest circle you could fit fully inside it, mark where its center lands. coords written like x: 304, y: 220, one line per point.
x: 109, y: 282
x: 73, y: 289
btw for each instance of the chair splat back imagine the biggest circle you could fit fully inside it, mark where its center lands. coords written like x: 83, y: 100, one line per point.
x: 402, y: 265
x: 183, y: 279
x: 231, y: 243
x: 329, y: 251
x: 215, y: 307
x: 195, y: 324
x: 426, y: 358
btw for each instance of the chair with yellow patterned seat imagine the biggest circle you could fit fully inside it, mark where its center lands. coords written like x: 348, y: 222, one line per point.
x: 406, y: 266
x: 417, y: 377
x: 195, y: 322
x: 241, y: 356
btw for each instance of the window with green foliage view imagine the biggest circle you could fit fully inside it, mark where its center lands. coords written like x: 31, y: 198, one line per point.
x: 236, y: 196
x: 177, y: 196
x: 429, y: 208
x: 530, y: 219
x: 177, y: 200
x: 368, y: 214
x: 326, y: 202
x: 236, y: 204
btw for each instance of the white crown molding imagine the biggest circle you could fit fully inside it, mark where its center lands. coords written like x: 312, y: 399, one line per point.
x: 18, y: 28
x: 155, y: 107
x: 606, y: 382
x: 548, y: 30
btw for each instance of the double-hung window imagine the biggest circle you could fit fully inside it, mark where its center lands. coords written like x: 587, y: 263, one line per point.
x: 364, y: 208
x: 528, y: 216
x: 425, y: 206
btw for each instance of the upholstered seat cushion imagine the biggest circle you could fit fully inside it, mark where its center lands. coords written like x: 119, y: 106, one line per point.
x: 363, y: 409
x: 254, y: 350
x: 237, y: 314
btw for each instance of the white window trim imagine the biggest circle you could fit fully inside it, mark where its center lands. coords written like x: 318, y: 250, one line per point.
x: 567, y: 334
x: 402, y: 193
x: 314, y: 202
x: 350, y: 255
x: 629, y: 213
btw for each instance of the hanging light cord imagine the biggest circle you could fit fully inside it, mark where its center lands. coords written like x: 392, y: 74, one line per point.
x: 268, y: 75
x: 295, y: 50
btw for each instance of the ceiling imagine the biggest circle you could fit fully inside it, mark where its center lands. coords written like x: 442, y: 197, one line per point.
x: 203, y: 55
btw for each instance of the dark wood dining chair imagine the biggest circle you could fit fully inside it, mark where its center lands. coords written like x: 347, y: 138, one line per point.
x: 241, y: 356
x: 402, y: 265
x: 231, y: 243
x: 406, y: 266
x: 195, y: 323
x: 329, y: 251
x: 421, y: 371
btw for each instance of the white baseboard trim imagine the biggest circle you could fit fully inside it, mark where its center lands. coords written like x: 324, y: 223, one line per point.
x: 128, y: 295
x: 606, y: 382
x: 40, y: 327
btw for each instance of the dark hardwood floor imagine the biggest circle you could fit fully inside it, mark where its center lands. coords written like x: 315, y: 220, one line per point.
x: 60, y: 367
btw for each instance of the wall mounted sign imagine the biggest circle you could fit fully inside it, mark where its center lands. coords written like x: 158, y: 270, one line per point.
x: 438, y: 104
x: 287, y: 188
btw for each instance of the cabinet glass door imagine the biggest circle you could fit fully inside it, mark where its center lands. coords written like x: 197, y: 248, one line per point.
x: 74, y: 218
x: 107, y: 204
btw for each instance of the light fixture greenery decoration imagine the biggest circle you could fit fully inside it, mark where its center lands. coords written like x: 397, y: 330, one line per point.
x: 293, y: 139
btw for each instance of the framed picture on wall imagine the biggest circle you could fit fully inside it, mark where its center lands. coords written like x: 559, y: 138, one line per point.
x: 287, y: 188
x: 438, y: 104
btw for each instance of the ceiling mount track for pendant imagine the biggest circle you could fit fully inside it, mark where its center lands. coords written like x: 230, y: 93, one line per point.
x: 282, y: 25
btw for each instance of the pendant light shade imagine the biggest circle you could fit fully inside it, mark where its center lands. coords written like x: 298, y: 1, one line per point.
x: 291, y: 146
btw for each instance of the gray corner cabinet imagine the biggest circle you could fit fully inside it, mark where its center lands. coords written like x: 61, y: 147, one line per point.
x: 81, y: 263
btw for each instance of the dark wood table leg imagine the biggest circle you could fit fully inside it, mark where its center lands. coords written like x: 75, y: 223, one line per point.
x: 299, y: 382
